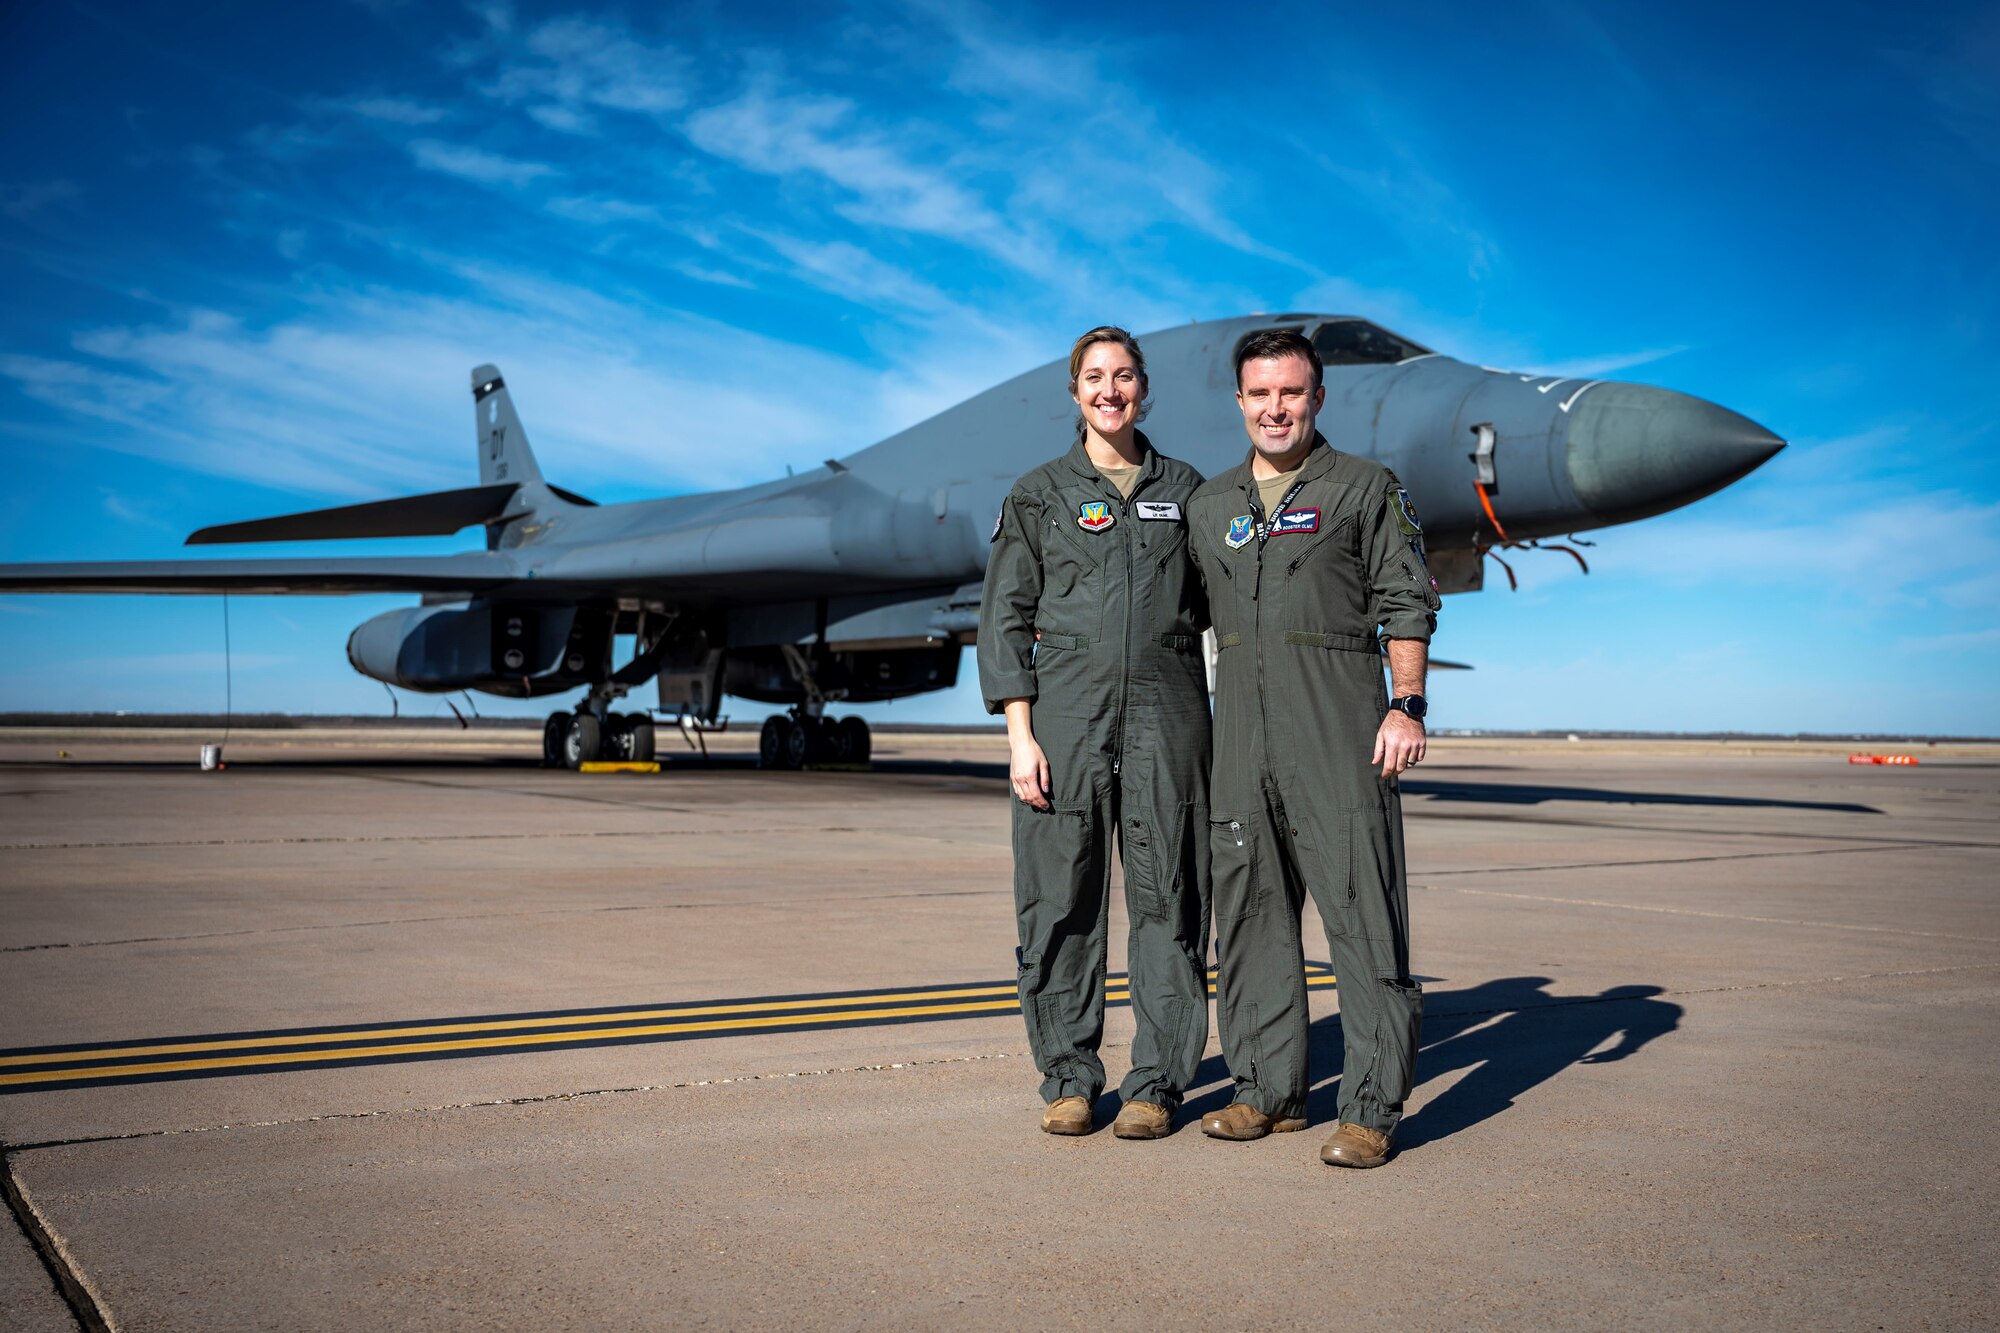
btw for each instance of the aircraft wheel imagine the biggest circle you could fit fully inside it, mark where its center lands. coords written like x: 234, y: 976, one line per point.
x: 552, y: 740
x: 801, y: 742
x: 860, y: 744
x: 583, y: 740
x: 643, y: 746
x: 774, y: 741
x: 836, y: 740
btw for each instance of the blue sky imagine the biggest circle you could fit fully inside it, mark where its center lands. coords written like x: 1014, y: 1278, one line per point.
x: 250, y: 252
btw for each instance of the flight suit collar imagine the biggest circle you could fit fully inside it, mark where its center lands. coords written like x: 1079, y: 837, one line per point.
x: 1319, y: 461
x: 1078, y: 461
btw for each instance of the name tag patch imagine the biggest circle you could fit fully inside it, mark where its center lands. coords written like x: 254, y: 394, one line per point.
x: 1295, y: 520
x: 1241, y: 530
x: 1094, y: 516
x: 1168, y: 511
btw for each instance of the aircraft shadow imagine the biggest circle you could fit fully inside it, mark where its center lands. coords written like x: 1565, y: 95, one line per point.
x: 1511, y: 793
x: 1512, y: 1034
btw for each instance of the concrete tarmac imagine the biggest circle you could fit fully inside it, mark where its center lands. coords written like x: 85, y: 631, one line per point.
x: 375, y: 1030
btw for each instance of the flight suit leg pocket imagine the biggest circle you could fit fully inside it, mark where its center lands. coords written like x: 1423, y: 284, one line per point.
x: 1234, y: 866
x: 1375, y: 886
x: 1323, y: 843
x: 1055, y: 867
x: 1400, y: 1020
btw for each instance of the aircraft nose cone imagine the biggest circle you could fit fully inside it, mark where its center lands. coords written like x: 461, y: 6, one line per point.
x: 1635, y: 450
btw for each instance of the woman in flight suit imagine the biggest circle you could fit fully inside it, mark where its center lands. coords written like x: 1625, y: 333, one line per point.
x: 1090, y: 643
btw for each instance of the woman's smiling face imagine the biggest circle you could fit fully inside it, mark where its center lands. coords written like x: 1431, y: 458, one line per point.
x: 1109, y: 388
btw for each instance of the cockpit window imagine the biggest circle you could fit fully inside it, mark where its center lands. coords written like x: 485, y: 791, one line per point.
x: 1356, y: 342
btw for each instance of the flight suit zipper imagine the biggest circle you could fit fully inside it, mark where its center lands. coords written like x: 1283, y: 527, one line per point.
x: 1257, y: 602
x: 1125, y: 660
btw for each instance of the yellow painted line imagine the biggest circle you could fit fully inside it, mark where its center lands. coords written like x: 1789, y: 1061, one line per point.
x: 517, y: 1040
x: 619, y: 766
x: 480, y: 1043
x: 483, y: 1025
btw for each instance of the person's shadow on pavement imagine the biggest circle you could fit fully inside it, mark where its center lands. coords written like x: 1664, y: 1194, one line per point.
x: 1511, y: 1033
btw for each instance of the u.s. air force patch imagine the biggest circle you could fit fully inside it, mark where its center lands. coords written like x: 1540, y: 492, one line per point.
x: 1406, y: 514
x: 1241, y: 530
x: 1094, y: 516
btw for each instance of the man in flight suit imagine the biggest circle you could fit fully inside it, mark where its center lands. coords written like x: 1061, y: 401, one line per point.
x: 1305, y: 552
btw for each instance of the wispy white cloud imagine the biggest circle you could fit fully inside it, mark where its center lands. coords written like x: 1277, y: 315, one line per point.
x: 1594, y: 367
x: 22, y: 202
x: 571, y: 67
x: 394, y: 110
x: 849, y: 271
x: 476, y: 164
x: 778, y: 133
x: 176, y: 664
x: 363, y: 392
x: 126, y: 510
x: 601, y: 209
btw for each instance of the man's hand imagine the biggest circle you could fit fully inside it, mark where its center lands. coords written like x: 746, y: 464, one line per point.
x: 1399, y: 743
x: 1028, y: 769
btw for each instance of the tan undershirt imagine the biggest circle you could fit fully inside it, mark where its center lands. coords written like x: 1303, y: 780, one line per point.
x: 1272, y: 491
x: 1124, y: 478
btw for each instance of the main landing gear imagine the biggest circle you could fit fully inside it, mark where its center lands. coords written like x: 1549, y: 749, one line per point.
x: 799, y: 738
x: 571, y: 740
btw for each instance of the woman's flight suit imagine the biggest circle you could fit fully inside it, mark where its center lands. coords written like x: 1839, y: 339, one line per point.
x: 1093, y: 613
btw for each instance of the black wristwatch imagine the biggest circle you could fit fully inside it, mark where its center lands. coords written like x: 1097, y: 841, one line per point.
x: 1413, y: 704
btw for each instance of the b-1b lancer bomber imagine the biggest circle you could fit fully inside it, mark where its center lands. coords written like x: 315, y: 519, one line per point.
x: 860, y: 580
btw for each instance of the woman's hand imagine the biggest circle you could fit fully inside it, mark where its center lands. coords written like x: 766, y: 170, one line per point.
x: 1027, y: 766
x: 1029, y: 771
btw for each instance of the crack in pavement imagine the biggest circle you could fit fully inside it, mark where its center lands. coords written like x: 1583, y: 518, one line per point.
x: 311, y: 840
x: 486, y: 916
x: 963, y: 893
x: 1884, y: 846
x: 1718, y: 916
x: 86, y: 1306
x: 1516, y: 817
x: 1552, y: 1003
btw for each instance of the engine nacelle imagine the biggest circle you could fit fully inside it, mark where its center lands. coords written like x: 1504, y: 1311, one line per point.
x: 515, y: 651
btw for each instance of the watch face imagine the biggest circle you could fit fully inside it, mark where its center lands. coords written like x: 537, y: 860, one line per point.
x: 1415, y: 705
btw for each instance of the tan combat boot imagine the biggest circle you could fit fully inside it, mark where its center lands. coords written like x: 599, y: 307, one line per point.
x: 1067, y: 1115
x: 1241, y: 1122
x: 1355, y: 1145
x: 1143, y: 1120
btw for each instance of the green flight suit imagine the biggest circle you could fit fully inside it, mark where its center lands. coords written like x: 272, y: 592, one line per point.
x: 1093, y: 613
x: 1297, y: 805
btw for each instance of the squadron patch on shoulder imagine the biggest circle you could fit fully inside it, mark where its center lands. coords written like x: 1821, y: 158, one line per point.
x: 1295, y: 520
x: 1406, y: 514
x: 1161, y: 510
x: 1241, y: 530
x: 1095, y: 515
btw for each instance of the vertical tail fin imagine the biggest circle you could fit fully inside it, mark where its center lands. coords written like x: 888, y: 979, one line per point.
x: 504, y: 454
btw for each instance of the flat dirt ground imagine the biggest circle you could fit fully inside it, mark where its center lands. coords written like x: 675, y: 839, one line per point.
x: 394, y: 1030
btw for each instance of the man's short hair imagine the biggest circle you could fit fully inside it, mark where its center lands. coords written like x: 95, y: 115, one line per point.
x: 1277, y: 343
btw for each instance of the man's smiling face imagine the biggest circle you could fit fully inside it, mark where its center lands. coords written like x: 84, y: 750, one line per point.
x: 1279, y: 402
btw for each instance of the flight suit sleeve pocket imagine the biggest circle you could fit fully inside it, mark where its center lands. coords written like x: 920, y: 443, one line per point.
x: 1055, y: 862
x: 1233, y: 866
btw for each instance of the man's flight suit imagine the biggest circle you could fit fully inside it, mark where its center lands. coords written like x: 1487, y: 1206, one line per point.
x: 1297, y: 804
x: 1092, y: 612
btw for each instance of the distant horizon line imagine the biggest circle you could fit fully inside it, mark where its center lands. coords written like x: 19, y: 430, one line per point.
x: 115, y: 720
